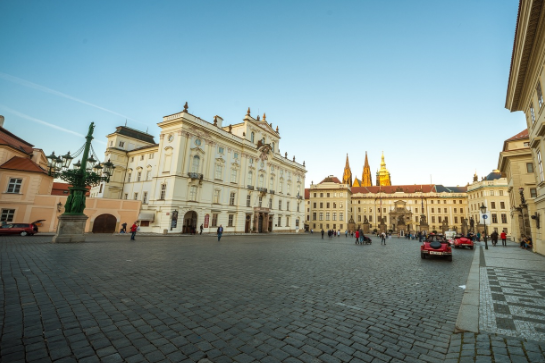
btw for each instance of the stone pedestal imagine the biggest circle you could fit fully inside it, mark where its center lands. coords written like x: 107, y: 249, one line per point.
x: 366, y: 228
x: 424, y: 227
x: 71, y: 229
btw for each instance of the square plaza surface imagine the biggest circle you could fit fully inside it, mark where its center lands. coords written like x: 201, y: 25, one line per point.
x: 263, y: 298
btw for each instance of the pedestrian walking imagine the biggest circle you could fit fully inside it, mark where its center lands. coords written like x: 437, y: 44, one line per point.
x: 322, y: 233
x: 220, y: 232
x: 357, y: 236
x: 503, y: 237
x: 346, y: 233
x: 134, y: 228
x: 383, y: 238
x: 202, y: 227
x: 494, y: 237
x: 124, y: 227
x: 479, y: 236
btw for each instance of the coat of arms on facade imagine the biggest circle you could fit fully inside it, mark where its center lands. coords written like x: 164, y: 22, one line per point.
x: 265, y: 149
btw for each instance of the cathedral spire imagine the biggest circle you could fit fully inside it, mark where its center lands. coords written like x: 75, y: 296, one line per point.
x: 347, y: 175
x: 366, y: 180
x: 383, y: 175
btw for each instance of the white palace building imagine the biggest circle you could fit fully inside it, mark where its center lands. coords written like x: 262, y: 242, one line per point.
x: 205, y: 173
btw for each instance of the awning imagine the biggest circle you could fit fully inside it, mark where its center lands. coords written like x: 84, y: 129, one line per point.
x: 146, y: 216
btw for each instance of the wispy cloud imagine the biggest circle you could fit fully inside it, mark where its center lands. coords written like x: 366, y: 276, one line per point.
x: 30, y: 118
x: 38, y: 87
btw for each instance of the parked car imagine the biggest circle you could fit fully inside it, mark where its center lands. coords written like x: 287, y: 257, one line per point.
x: 23, y: 229
x: 460, y: 241
x: 436, y: 245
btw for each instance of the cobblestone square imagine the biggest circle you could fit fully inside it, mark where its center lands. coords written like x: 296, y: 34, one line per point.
x: 271, y: 298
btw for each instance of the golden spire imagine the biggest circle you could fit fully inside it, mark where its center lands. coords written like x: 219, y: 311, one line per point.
x: 366, y: 180
x: 383, y: 175
x: 347, y: 175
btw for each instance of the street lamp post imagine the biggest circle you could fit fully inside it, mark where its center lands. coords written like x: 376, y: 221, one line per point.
x: 88, y: 172
x: 483, y: 212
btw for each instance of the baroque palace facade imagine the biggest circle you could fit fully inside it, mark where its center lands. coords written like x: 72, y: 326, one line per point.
x: 206, y: 173
x: 348, y: 205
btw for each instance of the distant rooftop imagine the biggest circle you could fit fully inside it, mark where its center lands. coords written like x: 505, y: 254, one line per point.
x: 135, y: 134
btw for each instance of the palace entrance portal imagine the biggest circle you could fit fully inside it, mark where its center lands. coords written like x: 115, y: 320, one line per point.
x: 262, y: 222
x: 190, y: 222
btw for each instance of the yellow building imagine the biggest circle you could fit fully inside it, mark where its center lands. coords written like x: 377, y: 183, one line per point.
x: 517, y: 164
x: 492, y: 191
x: 329, y: 205
x: 525, y: 93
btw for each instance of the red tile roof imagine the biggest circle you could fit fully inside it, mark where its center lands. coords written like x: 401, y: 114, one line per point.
x: 521, y: 135
x: 426, y: 188
x: 9, y: 139
x: 62, y: 189
x: 331, y: 179
x: 22, y: 164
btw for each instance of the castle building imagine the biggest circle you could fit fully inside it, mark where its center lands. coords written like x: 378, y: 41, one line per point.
x: 518, y: 166
x: 206, y: 173
x: 492, y: 191
x: 525, y: 94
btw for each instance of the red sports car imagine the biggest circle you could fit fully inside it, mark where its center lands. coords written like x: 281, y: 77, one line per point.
x: 436, y: 245
x: 461, y: 241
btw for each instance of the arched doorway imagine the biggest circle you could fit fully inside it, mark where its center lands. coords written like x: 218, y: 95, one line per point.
x: 248, y: 223
x: 190, y: 222
x: 104, y: 223
x: 260, y: 223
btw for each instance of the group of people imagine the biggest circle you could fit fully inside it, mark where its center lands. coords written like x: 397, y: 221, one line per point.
x: 134, y: 229
x: 526, y: 242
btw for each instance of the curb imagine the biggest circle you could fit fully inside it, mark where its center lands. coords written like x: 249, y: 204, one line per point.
x: 468, y: 315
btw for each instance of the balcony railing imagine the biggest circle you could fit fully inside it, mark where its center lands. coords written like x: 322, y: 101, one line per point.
x: 262, y: 190
x: 251, y: 187
x: 195, y: 175
x: 299, y: 196
x: 271, y: 191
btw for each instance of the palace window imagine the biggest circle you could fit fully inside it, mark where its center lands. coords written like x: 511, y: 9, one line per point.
x: 504, y: 218
x: 533, y: 192
x: 321, y: 205
x: 370, y: 218
x: 193, y: 193
x: 219, y: 171
x: 129, y: 177
x: 135, y: 196
x: 144, y: 197
x: 14, y: 185
x: 234, y: 175
x: 260, y: 182
x: 455, y: 219
x: 271, y: 183
x: 139, y: 176
x: 432, y: 219
x: 7, y: 215
x: 334, y: 205
x: 492, y: 205
x: 433, y: 210
x: 494, y: 218
x: 313, y: 205
x: 461, y: 210
x: 230, y: 220
x: 502, y: 205
x: 260, y: 201
x: 445, y: 210
x: 532, y: 113
x: 248, y: 200
x: 148, y: 175
x: 529, y: 167
x: 328, y: 195
x: 216, y: 196
x: 327, y: 216
x: 270, y: 203
x: 232, y: 199
x: 439, y: 219
x: 279, y: 221
x: 214, y: 220
x: 334, y: 216
x: 250, y: 177
x: 163, y: 192
x: 539, y: 94
x: 340, y: 217
x: 287, y: 205
x: 492, y: 193
x: 416, y: 219
x: 321, y: 216
x: 359, y: 218
x: 150, y: 156
x: 279, y: 205
x: 416, y: 210
x: 252, y: 135
x: 539, y: 165
x: 196, y: 164
x: 455, y: 210
x: 327, y: 205
x: 314, y: 216
x: 220, y: 150
x: 321, y: 195
x: 121, y: 144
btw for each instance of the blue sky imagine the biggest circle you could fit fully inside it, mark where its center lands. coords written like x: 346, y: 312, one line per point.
x: 423, y: 81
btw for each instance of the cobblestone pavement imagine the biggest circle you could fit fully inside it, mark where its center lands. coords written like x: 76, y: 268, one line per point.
x: 258, y: 298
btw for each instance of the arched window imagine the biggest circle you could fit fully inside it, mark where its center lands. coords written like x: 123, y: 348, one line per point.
x: 261, y: 177
x: 250, y: 177
x: 271, y: 183
x: 196, y: 163
x: 252, y: 137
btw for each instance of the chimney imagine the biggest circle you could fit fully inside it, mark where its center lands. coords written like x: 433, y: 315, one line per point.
x: 220, y: 121
x: 1, y: 121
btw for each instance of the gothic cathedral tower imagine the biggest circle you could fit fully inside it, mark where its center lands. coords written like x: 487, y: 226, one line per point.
x: 383, y: 175
x: 347, y: 175
x: 366, y: 180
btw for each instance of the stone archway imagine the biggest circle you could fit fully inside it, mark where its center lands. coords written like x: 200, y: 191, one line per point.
x: 105, y: 223
x: 190, y: 222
